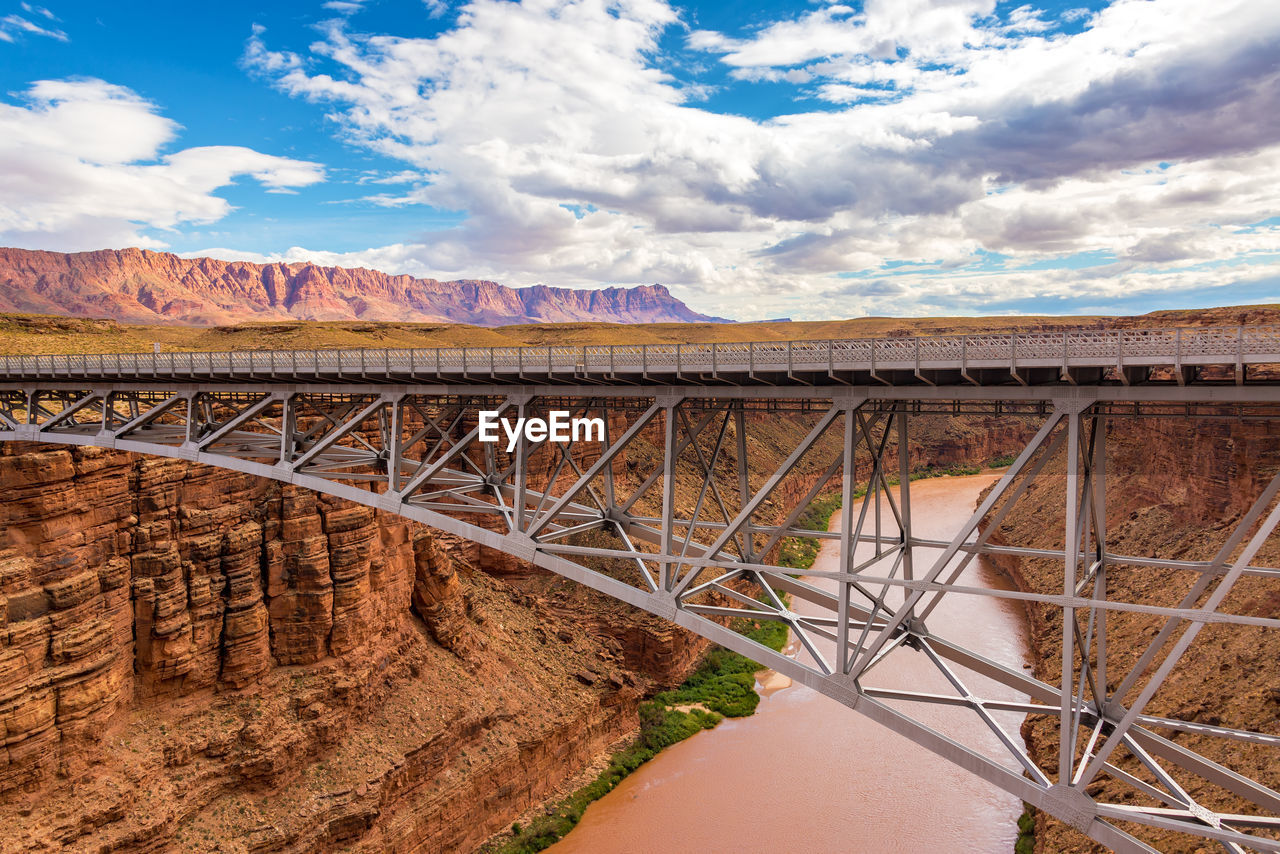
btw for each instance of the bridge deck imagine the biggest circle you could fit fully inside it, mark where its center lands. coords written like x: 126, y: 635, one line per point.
x: 1210, y: 355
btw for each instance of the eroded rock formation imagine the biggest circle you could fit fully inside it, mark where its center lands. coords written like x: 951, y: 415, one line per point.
x: 193, y: 658
x: 141, y: 286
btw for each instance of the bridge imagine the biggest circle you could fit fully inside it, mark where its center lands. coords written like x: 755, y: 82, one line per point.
x: 671, y: 513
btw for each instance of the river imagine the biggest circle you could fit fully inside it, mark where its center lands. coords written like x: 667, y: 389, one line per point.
x: 804, y: 773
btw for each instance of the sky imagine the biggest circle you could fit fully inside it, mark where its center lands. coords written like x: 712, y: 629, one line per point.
x: 797, y: 159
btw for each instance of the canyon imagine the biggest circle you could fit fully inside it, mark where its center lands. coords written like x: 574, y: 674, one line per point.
x: 141, y: 286
x: 195, y: 659
x: 178, y: 638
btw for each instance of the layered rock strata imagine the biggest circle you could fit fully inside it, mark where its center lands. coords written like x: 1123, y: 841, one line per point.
x: 1176, y: 489
x: 191, y: 657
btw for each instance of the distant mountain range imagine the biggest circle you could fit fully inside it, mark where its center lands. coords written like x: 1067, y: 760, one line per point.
x: 140, y: 286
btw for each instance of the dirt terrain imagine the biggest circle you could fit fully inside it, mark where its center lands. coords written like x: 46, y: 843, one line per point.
x: 26, y: 333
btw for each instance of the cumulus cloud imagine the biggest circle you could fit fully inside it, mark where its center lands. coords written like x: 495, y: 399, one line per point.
x: 1147, y: 131
x: 84, y: 169
x: 928, y: 29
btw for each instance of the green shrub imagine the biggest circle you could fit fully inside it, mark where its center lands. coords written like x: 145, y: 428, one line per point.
x: 947, y: 471
x: 801, y: 552
x: 1026, y: 843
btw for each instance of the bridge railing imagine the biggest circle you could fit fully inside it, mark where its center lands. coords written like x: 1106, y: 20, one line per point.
x: 1240, y: 344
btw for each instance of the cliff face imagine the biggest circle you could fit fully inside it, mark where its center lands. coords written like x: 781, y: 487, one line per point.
x: 189, y: 656
x: 1175, y: 490
x: 140, y: 286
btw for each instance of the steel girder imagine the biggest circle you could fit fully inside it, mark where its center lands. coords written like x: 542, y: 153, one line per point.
x: 674, y: 513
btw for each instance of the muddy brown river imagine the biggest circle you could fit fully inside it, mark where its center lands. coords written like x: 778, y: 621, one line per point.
x: 804, y: 773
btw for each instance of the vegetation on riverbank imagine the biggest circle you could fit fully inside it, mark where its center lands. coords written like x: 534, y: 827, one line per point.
x: 801, y: 552
x: 1026, y: 842
x: 722, y: 686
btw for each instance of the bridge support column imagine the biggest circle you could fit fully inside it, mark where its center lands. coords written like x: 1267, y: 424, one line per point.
x: 847, y: 543
x: 288, y: 426
x: 1067, y: 729
x: 744, y: 483
x: 521, y: 472
x: 666, y: 569
x: 904, y: 491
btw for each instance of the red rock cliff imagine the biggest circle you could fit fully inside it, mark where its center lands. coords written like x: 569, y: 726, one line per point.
x: 138, y: 286
x: 190, y: 655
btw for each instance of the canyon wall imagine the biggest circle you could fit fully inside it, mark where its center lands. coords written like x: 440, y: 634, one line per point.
x: 189, y: 655
x: 1175, y: 490
x: 140, y: 286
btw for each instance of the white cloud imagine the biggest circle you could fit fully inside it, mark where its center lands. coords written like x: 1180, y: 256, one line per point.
x: 1088, y: 291
x: 84, y: 170
x: 14, y: 26
x: 344, y: 7
x: 579, y: 159
x: 928, y: 29
x: 1027, y: 19
x: 404, y: 176
x: 39, y: 10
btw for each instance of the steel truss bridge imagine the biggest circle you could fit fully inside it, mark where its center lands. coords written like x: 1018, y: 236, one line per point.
x: 671, y: 513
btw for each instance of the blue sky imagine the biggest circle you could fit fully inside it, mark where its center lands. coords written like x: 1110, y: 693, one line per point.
x: 807, y: 159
